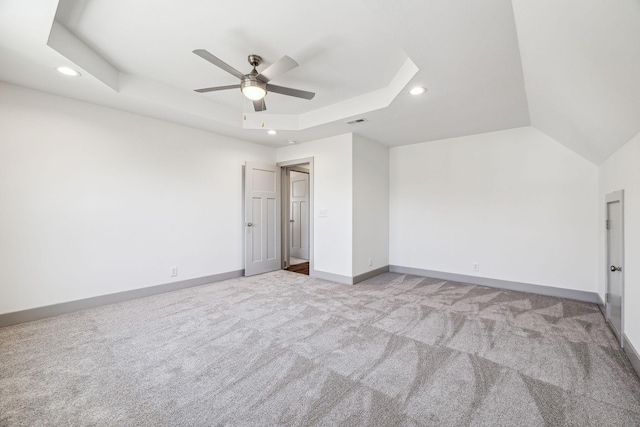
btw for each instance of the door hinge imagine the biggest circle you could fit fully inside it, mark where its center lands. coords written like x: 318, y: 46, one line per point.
x: 608, y: 224
x: 606, y: 297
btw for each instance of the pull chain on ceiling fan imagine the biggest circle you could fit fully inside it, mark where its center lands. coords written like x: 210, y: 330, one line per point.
x: 254, y: 85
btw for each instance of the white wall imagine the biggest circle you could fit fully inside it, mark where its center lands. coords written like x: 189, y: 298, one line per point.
x: 515, y: 201
x: 95, y: 201
x: 370, y: 205
x: 332, y: 175
x: 621, y: 171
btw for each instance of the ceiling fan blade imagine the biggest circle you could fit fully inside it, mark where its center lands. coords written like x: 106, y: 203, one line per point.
x: 213, y: 89
x: 290, y: 91
x: 218, y: 62
x: 259, y: 105
x: 281, y: 66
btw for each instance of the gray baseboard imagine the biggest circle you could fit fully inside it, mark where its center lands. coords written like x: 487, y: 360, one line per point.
x: 602, y: 307
x: 369, y: 274
x: 345, y: 280
x: 632, y: 354
x: 38, y: 313
x: 591, y: 297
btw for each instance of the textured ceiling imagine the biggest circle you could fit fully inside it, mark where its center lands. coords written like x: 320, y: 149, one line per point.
x: 567, y: 67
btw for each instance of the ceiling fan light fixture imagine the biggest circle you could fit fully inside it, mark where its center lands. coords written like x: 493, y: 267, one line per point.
x: 418, y: 90
x: 253, y: 88
x: 254, y: 93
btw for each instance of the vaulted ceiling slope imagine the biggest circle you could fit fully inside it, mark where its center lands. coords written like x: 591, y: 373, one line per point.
x: 581, y: 62
x: 567, y: 67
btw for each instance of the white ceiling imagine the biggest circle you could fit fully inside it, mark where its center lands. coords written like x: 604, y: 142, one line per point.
x: 579, y: 84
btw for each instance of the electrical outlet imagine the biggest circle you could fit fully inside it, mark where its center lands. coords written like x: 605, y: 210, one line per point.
x: 476, y: 266
x: 370, y: 262
x: 174, y: 271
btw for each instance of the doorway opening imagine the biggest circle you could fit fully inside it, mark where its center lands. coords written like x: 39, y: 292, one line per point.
x: 297, y: 218
x: 614, y: 298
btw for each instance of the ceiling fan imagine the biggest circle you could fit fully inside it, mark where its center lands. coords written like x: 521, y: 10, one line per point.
x: 254, y: 85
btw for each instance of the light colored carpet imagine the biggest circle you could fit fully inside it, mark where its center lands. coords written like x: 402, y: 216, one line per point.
x: 287, y: 349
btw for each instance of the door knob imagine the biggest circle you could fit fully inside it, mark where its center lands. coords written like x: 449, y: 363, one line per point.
x: 249, y: 224
x: 614, y: 268
x: 290, y: 220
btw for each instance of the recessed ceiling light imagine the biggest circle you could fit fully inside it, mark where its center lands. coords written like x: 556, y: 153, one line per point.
x: 68, y: 71
x: 272, y: 132
x: 418, y: 90
x: 291, y: 141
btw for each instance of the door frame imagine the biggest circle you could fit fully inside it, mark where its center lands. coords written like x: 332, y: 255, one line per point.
x: 615, y: 197
x: 290, y: 165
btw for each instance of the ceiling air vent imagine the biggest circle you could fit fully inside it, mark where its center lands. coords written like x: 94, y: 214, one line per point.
x: 353, y: 122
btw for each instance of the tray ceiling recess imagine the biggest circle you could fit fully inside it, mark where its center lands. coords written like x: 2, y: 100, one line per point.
x: 154, y: 63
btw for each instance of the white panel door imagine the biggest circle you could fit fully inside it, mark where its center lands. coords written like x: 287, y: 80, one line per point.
x: 262, y: 218
x: 615, y: 260
x: 299, y: 212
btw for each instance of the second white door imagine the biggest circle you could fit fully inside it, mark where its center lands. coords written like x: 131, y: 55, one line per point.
x: 615, y: 259
x: 299, y: 215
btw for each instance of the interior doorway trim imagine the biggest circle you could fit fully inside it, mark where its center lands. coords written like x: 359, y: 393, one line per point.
x: 615, y: 197
x: 290, y: 164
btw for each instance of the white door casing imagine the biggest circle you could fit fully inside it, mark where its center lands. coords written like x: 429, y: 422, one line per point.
x: 615, y: 260
x: 299, y: 214
x: 262, y: 218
